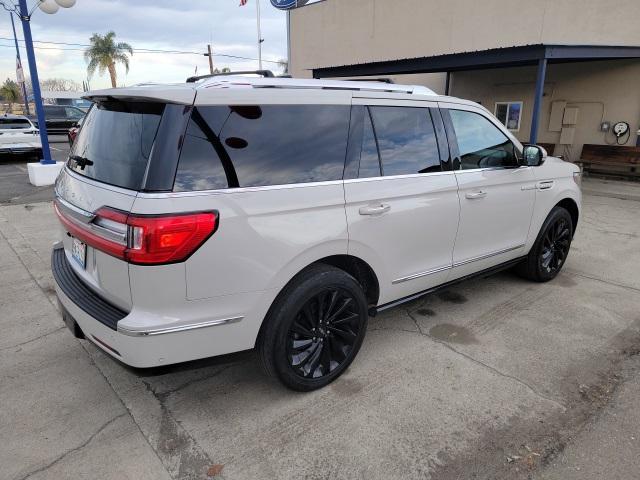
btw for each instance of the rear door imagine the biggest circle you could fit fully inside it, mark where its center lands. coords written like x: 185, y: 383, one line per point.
x: 401, y: 199
x: 497, y: 192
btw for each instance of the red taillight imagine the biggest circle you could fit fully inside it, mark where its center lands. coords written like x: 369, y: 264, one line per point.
x: 143, y: 239
x: 168, y: 239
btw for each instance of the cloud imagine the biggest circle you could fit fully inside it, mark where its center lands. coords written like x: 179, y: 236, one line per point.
x: 151, y: 24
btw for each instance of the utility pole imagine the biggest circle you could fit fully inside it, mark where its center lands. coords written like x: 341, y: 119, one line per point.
x: 19, y: 65
x: 260, y: 40
x: 210, y: 55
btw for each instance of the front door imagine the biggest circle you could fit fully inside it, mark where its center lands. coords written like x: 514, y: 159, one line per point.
x: 497, y: 193
x: 402, y: 207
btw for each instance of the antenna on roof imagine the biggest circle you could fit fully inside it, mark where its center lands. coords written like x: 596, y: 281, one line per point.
x: 262, y: 73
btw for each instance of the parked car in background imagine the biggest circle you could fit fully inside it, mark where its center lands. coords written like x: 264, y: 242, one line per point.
x: 59, y: 118
x: 231, y: 213
x: 18, y: 136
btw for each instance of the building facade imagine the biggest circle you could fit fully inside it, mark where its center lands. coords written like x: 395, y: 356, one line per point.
x: 570, y: 67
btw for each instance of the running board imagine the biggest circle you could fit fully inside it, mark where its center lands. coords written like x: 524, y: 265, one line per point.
x: 482, y: 273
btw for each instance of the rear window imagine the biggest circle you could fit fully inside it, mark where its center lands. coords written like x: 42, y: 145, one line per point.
x: 14, y: 123
x: 259, y: 145
x: 115, y: 142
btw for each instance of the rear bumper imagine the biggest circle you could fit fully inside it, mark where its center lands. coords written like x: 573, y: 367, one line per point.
x: 158, y: 342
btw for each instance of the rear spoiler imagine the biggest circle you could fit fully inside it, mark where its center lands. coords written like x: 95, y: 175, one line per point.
x: 181, y: 95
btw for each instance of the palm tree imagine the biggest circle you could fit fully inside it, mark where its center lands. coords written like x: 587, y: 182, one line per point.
x: 104, y: 53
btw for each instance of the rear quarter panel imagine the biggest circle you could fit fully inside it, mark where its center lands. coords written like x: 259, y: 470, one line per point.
x: 265, y: 235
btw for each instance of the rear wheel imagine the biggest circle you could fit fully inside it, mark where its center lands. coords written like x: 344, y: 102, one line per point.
x: 314, y: 329
x: 550, y: 251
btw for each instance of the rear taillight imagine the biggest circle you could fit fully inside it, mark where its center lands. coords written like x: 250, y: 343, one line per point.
x: 143, y: 239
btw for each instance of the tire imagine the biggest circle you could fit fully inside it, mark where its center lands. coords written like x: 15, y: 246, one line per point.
x: 314, y: 329
x: 550, y: 250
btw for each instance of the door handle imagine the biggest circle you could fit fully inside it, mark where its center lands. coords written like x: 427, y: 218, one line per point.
x: 377, y: 210
x: 474, y: 195
x: 545, y: 185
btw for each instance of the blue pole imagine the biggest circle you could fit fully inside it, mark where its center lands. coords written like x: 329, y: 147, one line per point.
x: 537, y: 101
x: 37, y: 98
x: 24, y: 88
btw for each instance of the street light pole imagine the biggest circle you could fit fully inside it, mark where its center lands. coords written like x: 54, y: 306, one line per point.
x: 24, y: 87
x: 37, y: 98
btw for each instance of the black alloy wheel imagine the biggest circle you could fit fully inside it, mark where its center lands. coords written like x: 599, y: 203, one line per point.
x: 323, y: 333
x: 555, y: 246
x: 551, y: 248
x: 314, y: 329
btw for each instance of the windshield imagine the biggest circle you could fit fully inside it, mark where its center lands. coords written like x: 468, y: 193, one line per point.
x: 14, y: 123
x: 115, y: 141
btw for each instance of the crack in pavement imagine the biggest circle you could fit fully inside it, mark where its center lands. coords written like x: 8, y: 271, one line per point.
x: 162, y: 396
x: 481, y: 363
x: 75, y: 449
x: 33, y: 339
x: 608, y: 282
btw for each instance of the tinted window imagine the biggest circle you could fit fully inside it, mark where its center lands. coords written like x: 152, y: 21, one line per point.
x: 245, y: 146
x: 74, y: 113
x: 406, y: 140
x: 369, y: 160
x: 115, y: 142
x: 481, y: 143
x: 14, y: 123
x: 54, y: 112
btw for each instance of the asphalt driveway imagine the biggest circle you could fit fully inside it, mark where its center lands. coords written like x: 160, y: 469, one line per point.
x: 495, y: 378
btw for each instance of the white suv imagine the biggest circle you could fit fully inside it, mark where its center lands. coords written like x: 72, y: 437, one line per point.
x: 236, y: 212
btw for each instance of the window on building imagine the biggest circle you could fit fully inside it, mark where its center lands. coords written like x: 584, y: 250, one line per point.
x: 406, y: 139
x: 509, y: 113
x: 481, y: 143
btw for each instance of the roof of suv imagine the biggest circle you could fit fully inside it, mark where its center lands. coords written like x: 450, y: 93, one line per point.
x: 184, y: 92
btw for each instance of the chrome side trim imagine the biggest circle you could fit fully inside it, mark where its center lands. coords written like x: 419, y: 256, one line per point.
x: 421, y: 274
x: 181, y: 328
x: 75, y: 212
x: 487, y: 255
x: 228, y: 191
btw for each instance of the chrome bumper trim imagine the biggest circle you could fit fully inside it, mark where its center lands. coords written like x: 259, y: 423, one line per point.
x: 181, y: 328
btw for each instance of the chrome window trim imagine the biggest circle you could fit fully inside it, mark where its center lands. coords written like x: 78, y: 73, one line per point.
x: 487, y: 255
x: 74, y: 212
x: 95, y: 183
x: 181, y: 328
x: 222, y: 191
x: 421, y: 274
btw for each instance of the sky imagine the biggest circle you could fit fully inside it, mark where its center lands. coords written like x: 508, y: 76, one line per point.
x: 184, y: 25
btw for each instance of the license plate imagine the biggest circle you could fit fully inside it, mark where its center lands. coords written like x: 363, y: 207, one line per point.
x: 79, y: 252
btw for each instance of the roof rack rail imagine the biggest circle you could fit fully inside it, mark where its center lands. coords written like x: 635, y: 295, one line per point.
x: 381, y: 80
x: 262, y: 73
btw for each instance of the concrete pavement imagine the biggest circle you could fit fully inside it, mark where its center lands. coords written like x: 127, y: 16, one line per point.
x: 495, y: 378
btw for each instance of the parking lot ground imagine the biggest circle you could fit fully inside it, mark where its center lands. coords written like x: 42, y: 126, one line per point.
x: 495, y: 378
x: 14, y: 180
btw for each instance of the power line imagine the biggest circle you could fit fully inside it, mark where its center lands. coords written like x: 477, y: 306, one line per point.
x: 139, y: 50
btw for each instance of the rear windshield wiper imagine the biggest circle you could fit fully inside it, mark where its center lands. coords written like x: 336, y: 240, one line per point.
x: 81, y: 161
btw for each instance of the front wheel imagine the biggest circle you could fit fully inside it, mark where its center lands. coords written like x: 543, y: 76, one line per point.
x: 315, y: 328
x: 550, y: 251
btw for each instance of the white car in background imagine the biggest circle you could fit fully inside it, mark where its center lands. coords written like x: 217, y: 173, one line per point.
x: 230, y: 213
x: 19, y: 136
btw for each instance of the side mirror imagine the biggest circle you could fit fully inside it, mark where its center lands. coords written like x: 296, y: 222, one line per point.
x: 534, y: 155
